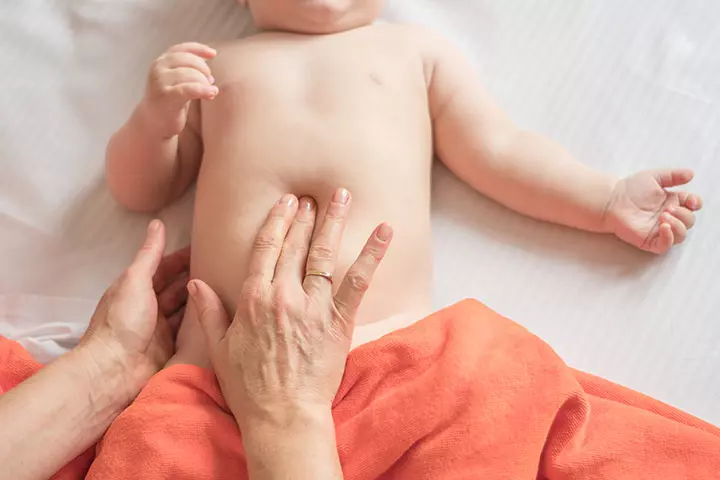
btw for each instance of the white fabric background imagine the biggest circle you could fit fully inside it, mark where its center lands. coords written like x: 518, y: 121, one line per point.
x: 625, y: 85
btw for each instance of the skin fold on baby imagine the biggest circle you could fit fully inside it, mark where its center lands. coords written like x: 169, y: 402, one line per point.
x: 324, y: 98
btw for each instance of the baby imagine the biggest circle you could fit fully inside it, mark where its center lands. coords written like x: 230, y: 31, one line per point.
x: 322, y: 98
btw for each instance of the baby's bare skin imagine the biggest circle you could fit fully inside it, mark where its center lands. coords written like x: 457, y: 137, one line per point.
x: 298, y: 114
x: 349, y: 104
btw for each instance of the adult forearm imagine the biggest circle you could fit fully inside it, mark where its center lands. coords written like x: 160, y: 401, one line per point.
x: 538, y: 178
x: 58, y: 413
x: 141, y: 164
x: 302, y: 448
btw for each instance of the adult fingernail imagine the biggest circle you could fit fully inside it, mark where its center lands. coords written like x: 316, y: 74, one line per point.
x: 192, y: 288
x: 211, y: 79
x: 341, y: 196
x: 154, y: 225
x: 307, y: 204
x: 384, y: 232
x: 287, y: 200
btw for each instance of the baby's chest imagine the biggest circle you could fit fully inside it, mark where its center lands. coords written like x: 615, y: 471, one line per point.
x: 324, y: 78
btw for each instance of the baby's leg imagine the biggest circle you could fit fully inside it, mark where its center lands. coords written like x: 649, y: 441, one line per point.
x: 190, y: 343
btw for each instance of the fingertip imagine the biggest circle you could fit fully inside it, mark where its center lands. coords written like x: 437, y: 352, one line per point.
x: 192, y: 288
x: 154, y: 225
x: 384, y: 232
x: 155, y: 239
x: 667, y: 236
x: 307, y: 205
x: 208, y: 53
x: 695, y: 202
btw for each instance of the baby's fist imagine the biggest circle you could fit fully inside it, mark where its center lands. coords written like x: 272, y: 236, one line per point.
x: 177, y: 77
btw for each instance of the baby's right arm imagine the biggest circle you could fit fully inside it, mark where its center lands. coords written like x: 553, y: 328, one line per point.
x: 155, y: 156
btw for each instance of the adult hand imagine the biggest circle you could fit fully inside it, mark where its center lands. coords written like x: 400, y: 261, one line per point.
x: 285, y: 349
x: 136, y: 319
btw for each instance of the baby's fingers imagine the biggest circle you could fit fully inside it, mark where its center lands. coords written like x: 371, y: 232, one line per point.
x: 195, y: 48
x: 195, y: 91
x: 684, y: 215
x: 679, y: 230
x: 664, y: 239
x: 186, y: 60
x: 689, y: 200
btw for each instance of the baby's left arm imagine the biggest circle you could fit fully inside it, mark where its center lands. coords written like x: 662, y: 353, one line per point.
x: 535, y: 176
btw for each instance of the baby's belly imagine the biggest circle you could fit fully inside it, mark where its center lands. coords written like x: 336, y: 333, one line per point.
x: 234, y: 197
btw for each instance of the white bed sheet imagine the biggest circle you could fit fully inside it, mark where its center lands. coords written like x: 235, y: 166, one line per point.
x: 625, y: 85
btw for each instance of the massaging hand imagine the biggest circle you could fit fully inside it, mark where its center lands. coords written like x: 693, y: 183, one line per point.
x: 645, y: 214
x: 136, y: 319
x: 177, y: 77
x: 287, y: 345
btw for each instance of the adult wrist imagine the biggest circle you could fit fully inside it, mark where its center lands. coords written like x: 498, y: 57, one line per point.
x: 112, y: 380
x: 289, y: 415
x: 277, y: 445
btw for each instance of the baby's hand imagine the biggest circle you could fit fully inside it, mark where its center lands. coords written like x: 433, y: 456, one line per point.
x: 177, y: 77
x: 644, y: 214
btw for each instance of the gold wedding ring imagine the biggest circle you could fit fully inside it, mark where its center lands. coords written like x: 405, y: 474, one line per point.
x: 318, y: 273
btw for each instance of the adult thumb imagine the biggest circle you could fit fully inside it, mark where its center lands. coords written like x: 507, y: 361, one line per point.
x: 210, y: 312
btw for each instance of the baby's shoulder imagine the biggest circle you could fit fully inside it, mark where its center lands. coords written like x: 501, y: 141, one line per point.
x: 426, y: 41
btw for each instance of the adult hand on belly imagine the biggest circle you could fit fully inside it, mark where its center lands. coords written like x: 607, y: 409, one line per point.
x: 281, y: 359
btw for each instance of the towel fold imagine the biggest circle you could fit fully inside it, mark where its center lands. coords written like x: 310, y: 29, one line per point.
x: 464, y: 393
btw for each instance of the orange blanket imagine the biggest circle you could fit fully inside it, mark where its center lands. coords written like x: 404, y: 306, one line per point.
x: 464, y: 393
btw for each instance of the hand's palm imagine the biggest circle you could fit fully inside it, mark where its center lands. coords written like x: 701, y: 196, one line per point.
x: 648, y: 216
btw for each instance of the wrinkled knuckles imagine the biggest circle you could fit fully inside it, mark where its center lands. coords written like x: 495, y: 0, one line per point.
x: 358, y: 281
x: 253, y: 291
x: 320, y: 253
x: 375, y: 251
x: 265, y: 242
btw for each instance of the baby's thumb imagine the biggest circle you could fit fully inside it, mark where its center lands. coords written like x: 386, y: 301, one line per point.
x: 210, y: 312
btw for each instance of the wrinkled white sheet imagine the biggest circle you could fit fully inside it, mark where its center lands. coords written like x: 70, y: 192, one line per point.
x: 625, y: 85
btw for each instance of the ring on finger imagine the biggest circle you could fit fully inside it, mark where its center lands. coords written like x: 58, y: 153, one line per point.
x: 318, y: 273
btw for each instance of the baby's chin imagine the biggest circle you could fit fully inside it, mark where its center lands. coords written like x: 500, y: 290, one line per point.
x: 316, y: 26
x: 321, y: 17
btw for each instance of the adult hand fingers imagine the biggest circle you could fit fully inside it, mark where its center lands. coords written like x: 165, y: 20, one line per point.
x: 678, y: 228
x: 150, y: 254
x: 269, y: 240
x: 210, y: 312
x: 684, y: 215
x: 668, y: 178
x: 689, y: 200
x: 172, y: 298
x: 295, y: 250
x: 323, y: 249
x: 359, y: 276
x: 170, y: 267
x: 203, y: 51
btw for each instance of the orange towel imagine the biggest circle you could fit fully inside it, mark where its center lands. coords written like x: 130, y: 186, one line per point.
x: 464, y: 393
